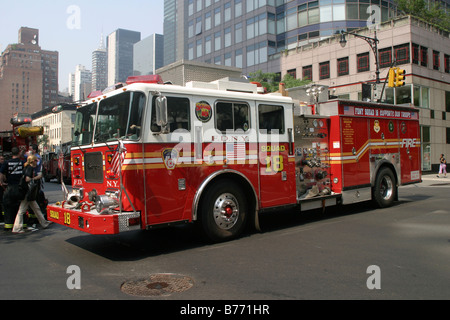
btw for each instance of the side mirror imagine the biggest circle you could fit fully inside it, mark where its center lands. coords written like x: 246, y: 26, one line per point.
x: 161, y: 113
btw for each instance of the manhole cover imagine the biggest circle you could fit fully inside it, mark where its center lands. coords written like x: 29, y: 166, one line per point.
x: 158, y: 285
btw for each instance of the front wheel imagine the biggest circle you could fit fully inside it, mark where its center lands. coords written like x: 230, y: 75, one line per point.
x: 224, y: 211
x: 385, y: 189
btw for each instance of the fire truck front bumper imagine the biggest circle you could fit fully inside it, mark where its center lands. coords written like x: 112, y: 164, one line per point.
x: 92, y: 222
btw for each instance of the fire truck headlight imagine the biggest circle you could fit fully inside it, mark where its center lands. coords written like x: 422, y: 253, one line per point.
x: 335, y: 180
x: 105, y: 202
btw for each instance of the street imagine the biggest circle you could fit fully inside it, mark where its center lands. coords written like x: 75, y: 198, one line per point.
x: 397, y: 253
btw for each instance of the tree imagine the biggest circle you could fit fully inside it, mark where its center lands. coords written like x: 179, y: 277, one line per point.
x: 271, y: 83
x: 430, y: 11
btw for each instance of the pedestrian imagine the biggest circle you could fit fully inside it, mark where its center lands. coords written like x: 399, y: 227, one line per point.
x: 41, y: 200
x: 2, y: 189
x: 442, y: 166
x: 10, y: 173
x: 30, y: 197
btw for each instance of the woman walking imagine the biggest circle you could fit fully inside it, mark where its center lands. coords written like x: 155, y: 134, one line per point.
x: 442, y: 166
x: 30, y: 199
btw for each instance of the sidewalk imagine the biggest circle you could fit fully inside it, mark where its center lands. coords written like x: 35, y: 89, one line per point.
x: 431, y: 179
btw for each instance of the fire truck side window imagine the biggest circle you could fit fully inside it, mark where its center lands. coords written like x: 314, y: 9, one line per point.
x: 232, y: 116
x: 271, y: 119
x: 178, y: 111
x: 84, y: 125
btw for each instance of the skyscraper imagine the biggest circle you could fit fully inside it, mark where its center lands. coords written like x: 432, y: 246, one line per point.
x: 83, y: 83
x: 248, y: 33
x: 28, y: 77
x: 100, y: 67
x: 120, y: 45
x: 148, y: 55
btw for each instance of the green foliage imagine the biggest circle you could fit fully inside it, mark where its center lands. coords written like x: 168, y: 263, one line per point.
x: 271, y: 83
x: 431, y: 12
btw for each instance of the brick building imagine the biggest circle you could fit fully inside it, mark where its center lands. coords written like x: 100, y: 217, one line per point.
x: 28, y: 77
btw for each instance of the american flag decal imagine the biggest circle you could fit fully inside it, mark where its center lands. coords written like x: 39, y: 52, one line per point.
x: 119, y: 157
x: 236, y: 151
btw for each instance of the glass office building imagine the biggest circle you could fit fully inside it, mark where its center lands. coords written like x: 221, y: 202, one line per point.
x: 246, y: 33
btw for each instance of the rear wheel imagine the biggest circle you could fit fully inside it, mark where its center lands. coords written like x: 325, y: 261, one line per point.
x: 224, y: 211
x: 385, y: 189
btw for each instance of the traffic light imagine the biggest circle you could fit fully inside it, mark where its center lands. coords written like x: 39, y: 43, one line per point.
x: 399, y: 77
x: 391, y: 81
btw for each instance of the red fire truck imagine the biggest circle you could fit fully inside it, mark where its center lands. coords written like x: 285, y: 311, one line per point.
x: 22, y: 134
x: 52, y: 162
x: 150, y: 154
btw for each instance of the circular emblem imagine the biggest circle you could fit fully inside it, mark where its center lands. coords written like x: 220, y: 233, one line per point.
x: 203, y: 111
x: 403, y: 127
x: 391, y: 126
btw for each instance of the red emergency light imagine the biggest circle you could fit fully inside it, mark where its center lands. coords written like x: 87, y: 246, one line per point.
x: 151, y: 78
x: 94, y: 94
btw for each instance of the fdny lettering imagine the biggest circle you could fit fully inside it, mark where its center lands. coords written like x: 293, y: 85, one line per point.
x: 112, y: 184
x: 231, y: 138
x: 409, y: 143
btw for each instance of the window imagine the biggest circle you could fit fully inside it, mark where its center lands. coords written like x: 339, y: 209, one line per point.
x: 423, y: 56
x: 385, y: 57
x: 324, y: 70
x: 217, y: 17
x: 447, y: 101
x: 307, y: 73
x: 232, y: 116
x: 292, y: 73
x: 271, y: 119
x: 178, y: 111
x: 436, y: 60
x: 120, y: 117
x: 363, y: 62
x: 227, y: 37
x: 342, y: 66
x: 415, y: 53
x: 227, y: 12
x: 446, y: 63
x: 401, y: 53
x: 238, y: 33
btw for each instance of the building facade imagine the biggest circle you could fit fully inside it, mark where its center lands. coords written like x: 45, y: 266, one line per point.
x: 120, y: 45
x: 82, y: 83
x: 148, y: 55
x: 28, y: 77
x: 245, y: 33
x: 100, y: 68
x: 421, y: 49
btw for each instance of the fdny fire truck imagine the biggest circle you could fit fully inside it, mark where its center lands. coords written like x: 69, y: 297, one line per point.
x: 150, y: 154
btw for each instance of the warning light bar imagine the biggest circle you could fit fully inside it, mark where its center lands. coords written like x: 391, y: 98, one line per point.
x: 145, y: 79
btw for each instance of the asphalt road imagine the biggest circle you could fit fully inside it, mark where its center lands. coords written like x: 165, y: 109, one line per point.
x: 356, y: 253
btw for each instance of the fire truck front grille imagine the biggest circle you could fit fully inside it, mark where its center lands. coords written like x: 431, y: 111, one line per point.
x: 93, y: 167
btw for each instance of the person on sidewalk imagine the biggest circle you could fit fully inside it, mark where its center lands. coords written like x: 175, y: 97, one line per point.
x: 30, y: 199
x: 442, y: 166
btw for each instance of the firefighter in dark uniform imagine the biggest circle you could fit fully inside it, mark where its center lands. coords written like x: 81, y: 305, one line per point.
x: 2, y: 189
x: 10, y: 173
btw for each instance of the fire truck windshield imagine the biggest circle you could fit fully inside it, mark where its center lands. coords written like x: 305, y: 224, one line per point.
x: 117, y: 117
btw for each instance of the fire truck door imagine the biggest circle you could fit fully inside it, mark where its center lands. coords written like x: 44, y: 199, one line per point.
x: 409, y: 151
x: 276, y: 166
x: 355, y: 152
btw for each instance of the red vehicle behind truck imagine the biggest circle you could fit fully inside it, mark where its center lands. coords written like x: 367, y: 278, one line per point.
x: 52, y: 163
x: 149, y: 155
x: 21, y: 135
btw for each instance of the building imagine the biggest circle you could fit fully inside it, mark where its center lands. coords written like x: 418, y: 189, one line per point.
x: 245, y: 33
x: 82, y: 83
x: 28, y: 77
x: 148, y: 55
x: 58, y: 123
x: 100, y: 68
x: 120, y: 45
x: 421, y: 49
x: 182, y: 72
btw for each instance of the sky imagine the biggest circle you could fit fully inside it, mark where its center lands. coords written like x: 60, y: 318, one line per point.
x: 74, y: 27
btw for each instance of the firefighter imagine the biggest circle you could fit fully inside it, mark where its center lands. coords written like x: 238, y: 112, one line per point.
x: 10, y: 173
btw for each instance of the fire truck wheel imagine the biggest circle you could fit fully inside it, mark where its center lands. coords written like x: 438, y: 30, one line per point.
x: 384, y: 191
x: 224, y: 211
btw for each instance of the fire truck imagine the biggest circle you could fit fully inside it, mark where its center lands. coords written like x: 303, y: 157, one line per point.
x: 219, y: 154
x: 52, y: 163
x: 22, y: 134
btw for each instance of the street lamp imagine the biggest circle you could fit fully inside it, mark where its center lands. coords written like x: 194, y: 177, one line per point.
x: 373, y: 43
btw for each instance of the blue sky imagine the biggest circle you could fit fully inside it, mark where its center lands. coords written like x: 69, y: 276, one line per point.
x: 73, y: 28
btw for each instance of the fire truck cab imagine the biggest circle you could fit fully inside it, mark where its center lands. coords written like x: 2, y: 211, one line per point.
x: 150, y: 154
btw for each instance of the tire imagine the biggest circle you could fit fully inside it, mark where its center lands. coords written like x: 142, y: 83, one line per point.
x: 385, y: 189
x: 223, y: 211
